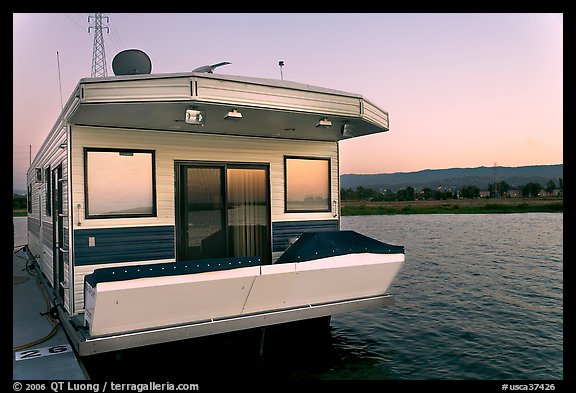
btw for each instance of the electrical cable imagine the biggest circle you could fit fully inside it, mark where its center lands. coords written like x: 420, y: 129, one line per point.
x: 54, y: 322
x: 46, y: 338
x: 20, y: 248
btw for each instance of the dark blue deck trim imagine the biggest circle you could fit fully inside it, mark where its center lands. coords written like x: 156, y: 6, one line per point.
x: 282, y: 231
x: 125, y: 244
x: 122, y: 273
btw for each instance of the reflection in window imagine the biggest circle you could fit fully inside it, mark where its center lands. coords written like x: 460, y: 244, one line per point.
x: 29, y: 199
x: 119, y: 183
x: 307, y: 185
x: 48, y: 191
x: 205, y: 220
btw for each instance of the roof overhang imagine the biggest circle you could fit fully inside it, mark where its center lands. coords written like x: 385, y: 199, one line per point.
x: 269, y: 108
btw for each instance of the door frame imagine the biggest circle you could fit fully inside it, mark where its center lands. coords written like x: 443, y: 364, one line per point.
x: 179, y: 212
x: 57, y: 230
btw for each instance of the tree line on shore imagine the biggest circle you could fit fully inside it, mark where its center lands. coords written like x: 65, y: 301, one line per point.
x: 19, y: 202
x: 495, y: 190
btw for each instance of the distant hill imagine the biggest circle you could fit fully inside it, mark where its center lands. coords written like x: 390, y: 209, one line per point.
x: 455, y: 178
x: 452, y: 178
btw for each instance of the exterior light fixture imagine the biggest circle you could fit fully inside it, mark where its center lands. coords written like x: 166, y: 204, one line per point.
x: 324, y: 123
x: 347, y: 130
x: 194, y: 116
x: 233, y: 115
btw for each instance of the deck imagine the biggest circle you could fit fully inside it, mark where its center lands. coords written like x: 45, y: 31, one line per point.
x: 41, y: 351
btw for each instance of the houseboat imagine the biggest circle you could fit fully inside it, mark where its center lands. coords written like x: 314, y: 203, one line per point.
x: 169, y: 206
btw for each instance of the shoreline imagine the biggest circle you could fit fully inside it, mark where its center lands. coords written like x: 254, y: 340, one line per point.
x: 455, y: 206
x: 449, y: 206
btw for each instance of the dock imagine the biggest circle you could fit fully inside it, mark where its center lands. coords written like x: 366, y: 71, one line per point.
x: 41, y: 349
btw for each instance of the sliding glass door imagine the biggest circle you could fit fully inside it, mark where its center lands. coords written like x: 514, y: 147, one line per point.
x: 223, y: 210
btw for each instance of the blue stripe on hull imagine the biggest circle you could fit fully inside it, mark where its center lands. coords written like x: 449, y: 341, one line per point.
x: 110, y: 274
x: 113, y: 245
x: 282, y: 231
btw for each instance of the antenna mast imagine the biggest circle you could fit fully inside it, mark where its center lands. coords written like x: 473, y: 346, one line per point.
x: 98, y: 53
x: 281, y: 64
x: 59, y: 80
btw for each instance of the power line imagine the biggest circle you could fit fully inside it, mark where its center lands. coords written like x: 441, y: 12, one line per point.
x: 111, y: 42
x: 116, y: 36
x: 73, y: 21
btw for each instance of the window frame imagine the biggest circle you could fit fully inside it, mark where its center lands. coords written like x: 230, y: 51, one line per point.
x: 48, y: 190
x: 87, y: 214
x: 180, y: 214
x: 29, y: 198
x: 329, y: 193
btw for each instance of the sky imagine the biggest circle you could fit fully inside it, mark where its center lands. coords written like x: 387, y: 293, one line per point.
x: 462, y: 90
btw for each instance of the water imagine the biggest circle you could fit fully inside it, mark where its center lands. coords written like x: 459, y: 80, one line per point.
x: 479, y: 297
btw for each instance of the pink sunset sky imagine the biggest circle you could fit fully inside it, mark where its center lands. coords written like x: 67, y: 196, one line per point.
x: 462, y: 90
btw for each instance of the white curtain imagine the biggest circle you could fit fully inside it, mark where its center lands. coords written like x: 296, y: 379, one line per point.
x: 247, y: 212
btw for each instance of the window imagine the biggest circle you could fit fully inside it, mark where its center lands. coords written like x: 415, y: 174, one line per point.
x: 48, y: 191
x: 119, y: 183
x: 307, y: 187
x: 29, y: 199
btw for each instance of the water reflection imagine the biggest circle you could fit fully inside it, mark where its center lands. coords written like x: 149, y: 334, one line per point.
x: 297, y: 351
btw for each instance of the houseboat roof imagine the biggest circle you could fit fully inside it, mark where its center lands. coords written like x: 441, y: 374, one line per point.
x: 260, y: 107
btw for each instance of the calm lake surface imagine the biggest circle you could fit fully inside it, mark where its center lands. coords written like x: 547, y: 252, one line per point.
x: 480, y: 297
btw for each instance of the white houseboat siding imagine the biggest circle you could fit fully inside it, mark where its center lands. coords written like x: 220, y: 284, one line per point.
x: 170, y: 147
x: 40, y: 220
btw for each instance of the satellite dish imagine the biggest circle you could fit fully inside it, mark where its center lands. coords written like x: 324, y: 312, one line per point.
x: 131, y: 62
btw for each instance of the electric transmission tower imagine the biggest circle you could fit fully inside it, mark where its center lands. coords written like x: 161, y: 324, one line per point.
x: 98, y: 52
